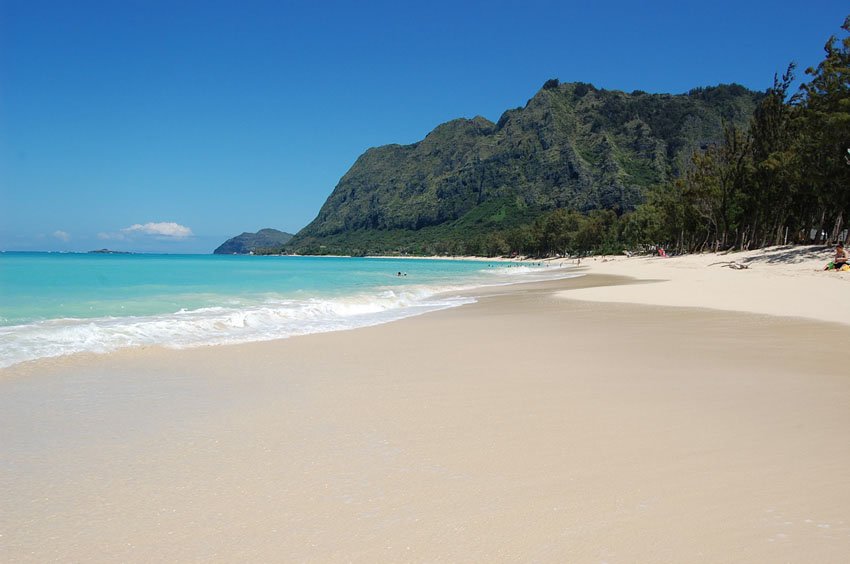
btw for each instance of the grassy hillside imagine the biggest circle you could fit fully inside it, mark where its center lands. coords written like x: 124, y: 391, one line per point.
x: 572, y: 146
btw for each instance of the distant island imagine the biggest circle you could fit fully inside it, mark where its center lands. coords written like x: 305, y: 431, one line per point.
x: 109, y: 252
x: 260, y: 242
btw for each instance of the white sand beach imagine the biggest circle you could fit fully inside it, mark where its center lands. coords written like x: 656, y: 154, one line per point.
x: 779, y: 281
x: 581, y: 420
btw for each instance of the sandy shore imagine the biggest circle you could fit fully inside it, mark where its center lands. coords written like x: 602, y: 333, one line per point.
x: 780, y: 281
x: 539, y: 424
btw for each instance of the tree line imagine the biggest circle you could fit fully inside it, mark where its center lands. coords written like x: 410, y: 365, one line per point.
x: 784, y: 179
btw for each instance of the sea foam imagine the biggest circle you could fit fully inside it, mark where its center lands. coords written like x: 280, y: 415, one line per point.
x: 215, y: 325
x: 239, y: 321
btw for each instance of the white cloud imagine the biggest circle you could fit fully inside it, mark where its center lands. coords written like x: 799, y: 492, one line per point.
x: 165, y: 229
x: 62, y: 235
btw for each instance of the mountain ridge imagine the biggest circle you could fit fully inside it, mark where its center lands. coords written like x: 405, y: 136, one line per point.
x: 572, y: 145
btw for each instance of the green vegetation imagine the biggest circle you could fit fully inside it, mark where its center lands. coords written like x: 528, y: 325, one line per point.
x: 783, y: 179
x: 470, y: 182
x: 581, y: 170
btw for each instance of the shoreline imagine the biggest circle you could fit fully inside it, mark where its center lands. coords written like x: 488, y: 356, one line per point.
x: 524, y: 426
x: 776, y: 281
x: 697, y: 281
x: 384, y: 300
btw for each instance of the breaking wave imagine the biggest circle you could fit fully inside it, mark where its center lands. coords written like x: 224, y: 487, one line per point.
x: 237, y: 321
x: 274, y: 319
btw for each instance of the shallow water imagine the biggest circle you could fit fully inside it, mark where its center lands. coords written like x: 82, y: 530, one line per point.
x: 55, y: 304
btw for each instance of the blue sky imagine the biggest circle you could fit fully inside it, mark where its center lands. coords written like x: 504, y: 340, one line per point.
x: 171, y: 126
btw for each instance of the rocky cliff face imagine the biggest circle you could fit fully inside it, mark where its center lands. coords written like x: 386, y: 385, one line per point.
x: 572, y: 145
x: 264, y: 239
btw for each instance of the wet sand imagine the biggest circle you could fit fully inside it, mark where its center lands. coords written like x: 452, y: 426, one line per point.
x: 524, y: 427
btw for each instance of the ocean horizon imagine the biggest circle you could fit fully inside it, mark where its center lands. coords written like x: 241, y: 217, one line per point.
x: 55, y: 304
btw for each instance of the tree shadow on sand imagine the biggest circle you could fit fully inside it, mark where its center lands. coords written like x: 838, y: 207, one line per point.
x: 789, y: 254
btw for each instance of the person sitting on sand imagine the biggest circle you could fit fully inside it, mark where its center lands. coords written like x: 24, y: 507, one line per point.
x: 841, y: 259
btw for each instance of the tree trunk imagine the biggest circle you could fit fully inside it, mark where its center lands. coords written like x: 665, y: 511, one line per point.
x: 837, y: 227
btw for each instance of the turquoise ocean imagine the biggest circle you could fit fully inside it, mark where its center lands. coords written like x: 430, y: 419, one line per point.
x: 54, y: 304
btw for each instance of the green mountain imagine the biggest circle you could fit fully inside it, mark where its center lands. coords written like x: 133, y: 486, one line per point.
x: 263, y: 241
x: 572, y: 146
